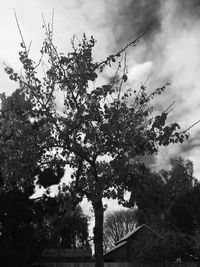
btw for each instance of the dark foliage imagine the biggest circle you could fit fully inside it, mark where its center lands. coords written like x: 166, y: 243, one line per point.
x: 185, y: 211
x: 28, y: 227
x: 155, y: 192
x: 18, y: 217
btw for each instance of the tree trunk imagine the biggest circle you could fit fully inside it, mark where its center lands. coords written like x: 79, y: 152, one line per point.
x: 98, y: 233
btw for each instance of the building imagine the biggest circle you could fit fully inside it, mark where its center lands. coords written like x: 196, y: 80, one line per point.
x: 58, y: 255
x: 124, y: 250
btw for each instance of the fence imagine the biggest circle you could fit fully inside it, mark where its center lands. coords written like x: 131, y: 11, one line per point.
x: 118, y: 264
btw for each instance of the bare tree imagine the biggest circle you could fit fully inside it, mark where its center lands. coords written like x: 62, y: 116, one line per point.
x: 117, y: 224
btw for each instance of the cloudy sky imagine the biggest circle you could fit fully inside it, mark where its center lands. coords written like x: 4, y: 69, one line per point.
x: 169, y: 52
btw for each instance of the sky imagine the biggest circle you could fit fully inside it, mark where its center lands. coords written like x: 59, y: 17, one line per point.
x: 169, y: 51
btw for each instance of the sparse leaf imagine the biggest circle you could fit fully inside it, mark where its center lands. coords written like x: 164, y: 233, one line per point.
x: 125, y: 77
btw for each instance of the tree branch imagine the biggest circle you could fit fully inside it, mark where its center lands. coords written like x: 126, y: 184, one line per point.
x: 134, y: 42
x: 78, y: 172
x: 20, y: 32
x: 190, y: 127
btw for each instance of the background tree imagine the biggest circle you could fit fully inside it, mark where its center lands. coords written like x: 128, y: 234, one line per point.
x: 148, y: 194
x: 101, y: 131
x: 167, y: 201
x: 165, y: 247
x: 67, y: 226
x: 155, y: 192
x: 18, y: 216
x: 184, y: 212
x: 179, y: 178
x: 29, y: 226
x: 117, y: 224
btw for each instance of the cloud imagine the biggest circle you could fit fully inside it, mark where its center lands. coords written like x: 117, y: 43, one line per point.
x: 173, y: 47
x: 180, y: 45
x: 140, y: 72
x: 70, y: 17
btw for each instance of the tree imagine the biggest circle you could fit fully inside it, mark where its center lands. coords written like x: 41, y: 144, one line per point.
x: 165, y: 247
x: 155, y: 192
x: 66, y: 226
x: 179, y: 178
x: 29, y: 226
x: 74, y: 234
x: 117, y: 224
x: 149, y: 195
x: 19, y: 216
x: 101, y: 132
x: 184, y: 213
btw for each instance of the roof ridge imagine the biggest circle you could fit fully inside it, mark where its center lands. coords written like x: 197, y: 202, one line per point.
x: 115, y: 247
x: 131, y: 233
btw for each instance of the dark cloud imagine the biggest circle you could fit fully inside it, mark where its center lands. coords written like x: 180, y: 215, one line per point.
x: 130, y: 18
x: 133, y: 17
x: 189, y: 8
x: 173, y: 46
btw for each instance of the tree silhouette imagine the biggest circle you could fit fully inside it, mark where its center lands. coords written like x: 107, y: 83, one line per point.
x: 149, y: 195
x: 64, y: 222
x: 101, y: 132
x: 18, y: 217
x: 155, y: 192
x: 29, y: 225
x: 185, y: 212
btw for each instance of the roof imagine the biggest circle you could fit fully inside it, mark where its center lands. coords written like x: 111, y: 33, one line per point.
x: 132, y: 233
x: 123, y: 240
x: 114, y: 248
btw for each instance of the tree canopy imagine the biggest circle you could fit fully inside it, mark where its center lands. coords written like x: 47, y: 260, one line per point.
x: 185, y: 212
x: 155, y: 192
x: 102, y: 130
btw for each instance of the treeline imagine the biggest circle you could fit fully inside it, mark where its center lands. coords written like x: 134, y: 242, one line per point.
x: 30, y: 226
x: 168, y: 202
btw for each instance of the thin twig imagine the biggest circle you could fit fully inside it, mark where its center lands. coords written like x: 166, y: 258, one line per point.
x: 122, y: 80
x: 44, y: 24
x: 29, y: 47
x: 52, y: 24
x: 134, y: 42
x: 39, y: 62
x: 20, y: 32
x: 73, y: 39
x: 168, y: 110
x: 146, y: 80
x: 44, y: 72
x: 191, y: 126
